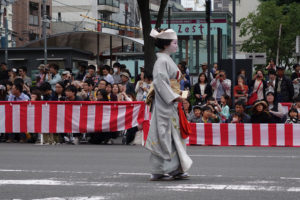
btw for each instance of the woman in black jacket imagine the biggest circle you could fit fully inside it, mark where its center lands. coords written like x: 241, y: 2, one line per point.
x: 202, y: 89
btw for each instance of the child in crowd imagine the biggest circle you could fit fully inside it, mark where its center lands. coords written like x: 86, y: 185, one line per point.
x: 236, y: 118
x: 223, y: 109
x: 292, y: 117
x: 196, y: 117
x: 206, y: 115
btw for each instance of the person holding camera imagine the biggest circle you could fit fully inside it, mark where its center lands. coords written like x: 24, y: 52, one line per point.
x: 240, y: 91
x: 53, y: 76
x: 221, y: 85
x: 258, y: 85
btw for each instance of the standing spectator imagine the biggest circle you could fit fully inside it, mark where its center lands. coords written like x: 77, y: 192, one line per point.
x: 3, y: 72
x: 106, y: 75
x: 142, y: 88
x: 116, y: 75
x: 260, y: 113
x: 240, y: 91
x: 272, y: 81
x: 185, y: 78
x: 221, y: 85
x: 275, y: 108
x: 240, y: 109
x: 12, y: 74
x: 215, y: 69
x: 126, y: 82
x: 271, y: 65
x: 66, y: 76
x: 91, y: 74
x: 42, y: 75
x: 23, y: 74
x: 296, y: 80
x: 87, y: 87
x: 258, y: 85
x: 202, y: 89
x: 59, y: 93
x: 207, y: 73
x: 3, y: 93
x: 284, y: 90
x: 82, y: 71
x: 292, y: 117
x: 53, y: 76
x: 242, y: 72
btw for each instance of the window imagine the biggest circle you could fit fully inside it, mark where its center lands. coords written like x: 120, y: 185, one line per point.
x: 113, y: 3
x: 33, y: 13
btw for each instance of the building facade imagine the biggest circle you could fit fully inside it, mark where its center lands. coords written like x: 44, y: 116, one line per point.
x: 27, y: 20
x: 6, y: 24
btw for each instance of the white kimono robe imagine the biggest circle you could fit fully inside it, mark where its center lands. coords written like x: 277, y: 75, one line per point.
x: 168, y: 149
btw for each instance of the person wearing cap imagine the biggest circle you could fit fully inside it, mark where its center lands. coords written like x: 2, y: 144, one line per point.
x: 284, y: 89
x: 82, y: 71
x: 260, y: 113
x: 125, y: 81
x: 275, y: 108
x: 164, y: 141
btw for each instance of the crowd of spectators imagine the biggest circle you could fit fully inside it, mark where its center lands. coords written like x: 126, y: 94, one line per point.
x: 210, y: 101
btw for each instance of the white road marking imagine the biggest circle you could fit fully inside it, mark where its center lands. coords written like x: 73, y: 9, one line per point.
x: 242, y: 156
x: 290, y: 178
x: 193, y: 187
x: 43, y: 171
x: 76, y: 198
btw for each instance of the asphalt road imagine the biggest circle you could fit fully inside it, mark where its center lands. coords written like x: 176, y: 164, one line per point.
x: 121, y: 172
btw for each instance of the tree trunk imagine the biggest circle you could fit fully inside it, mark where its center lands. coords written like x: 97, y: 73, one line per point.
x: 149, y: 48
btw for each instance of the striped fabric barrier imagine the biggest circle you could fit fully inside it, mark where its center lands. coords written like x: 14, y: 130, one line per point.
x: 71, y: 117
x: 245, y: 134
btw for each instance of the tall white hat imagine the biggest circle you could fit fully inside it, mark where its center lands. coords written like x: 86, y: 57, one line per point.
x: 168, y: 34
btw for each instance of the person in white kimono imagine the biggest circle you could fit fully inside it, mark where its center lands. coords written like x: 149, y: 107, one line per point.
x: 168, y: 158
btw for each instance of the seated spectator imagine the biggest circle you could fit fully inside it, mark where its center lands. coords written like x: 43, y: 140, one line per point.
x: 242, y: 72
x: 91, y: 74
x: 46, y: 91
x: 88, y: 87
x: 115, y: 95
x: 223, y: 109
x: 53, y: 76
x: 240, y: 109
x: 102, y: 95
x: 221, y: 85
x: 213, y: 104
x: 12, y: 74
x: 59, y: 93
x: 142, y: 87
x: 206, y: 115
x: 106, y: 75
x: 297, y: 105
x: 258, y: 85
x: 40, y: 78
x: 272, y: 81
x: 66, y: 77
x: 196, y: 117
x: 236, y: 118
x: 284, y: 89
x: 102, y: 84
x: 296, y: 80
x: 17, y: 93
x: 82, y: 71
x: 3, y: 93
x: 125, y: 77
x: 275, y: 109
x: 202, y: 90
x: 71, y: 93
x: 240, y: 91
x: 23, y: 74
x: 108, y: 90
x: 36, y: 95
x: 292, y: 117
x: 116, y: 75
x: 260, y: 113
x: 187, y: 108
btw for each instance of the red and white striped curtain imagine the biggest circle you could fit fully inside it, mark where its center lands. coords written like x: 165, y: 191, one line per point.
x: 71, y: 117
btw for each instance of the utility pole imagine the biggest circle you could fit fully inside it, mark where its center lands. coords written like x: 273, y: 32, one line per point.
x: 233, y: 44
x: 169, y: 17
x: 208, y: 8
x: 6, y: 33
x: 278, y: 45
x: 45, y: 31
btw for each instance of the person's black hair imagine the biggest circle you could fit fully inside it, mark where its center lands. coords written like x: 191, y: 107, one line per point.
x: 104, y: 94
x: 92, y: 67
x: 62, y: 84
x: 82, y: 64
x: 3, y: 63
x: 293, y: 110
x: 205, y: 108
x: 8, y: 82
x: 272, y: 72
x: 24, y: 68
x: 90, y: 82
x: 206, y: 80
x: 19, y: 81
x: 161, y: 43
x: 116, y: 64
x: 106, y: 67
x: 240, y: 103
x: 211, y: 98
x: 237, y: 114
x: 104, y: 81
x: 122, y: 66
x: 108, y: 84
x: 38, y: 93
x: 19, y: 87
x: 54, y: 66
x: 45, y: 87
x: 71, y: 88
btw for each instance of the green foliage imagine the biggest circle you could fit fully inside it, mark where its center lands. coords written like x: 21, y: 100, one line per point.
x: 263, y: 28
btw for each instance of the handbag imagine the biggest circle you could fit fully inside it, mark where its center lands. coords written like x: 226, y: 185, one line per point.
x: 253, y: 96
x: 185, y: 128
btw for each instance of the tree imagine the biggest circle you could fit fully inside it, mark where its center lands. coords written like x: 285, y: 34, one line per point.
x: 149, y: 48
x: 263, y: 27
